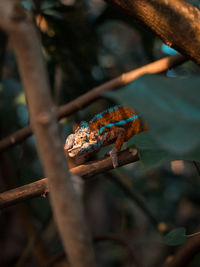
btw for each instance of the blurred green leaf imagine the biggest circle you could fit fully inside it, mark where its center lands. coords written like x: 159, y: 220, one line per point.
x: 175, y: 237
x: 29, y: 5
x: 20, y: 99
x: 53, y: 13
x: 170, y: 106
x: 152, y: 153
x: 49, y: 4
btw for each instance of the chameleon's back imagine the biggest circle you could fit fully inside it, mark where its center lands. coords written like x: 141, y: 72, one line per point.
x: 118, y: 116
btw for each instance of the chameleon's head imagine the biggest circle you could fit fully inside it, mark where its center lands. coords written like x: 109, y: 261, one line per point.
x: 82, y: 142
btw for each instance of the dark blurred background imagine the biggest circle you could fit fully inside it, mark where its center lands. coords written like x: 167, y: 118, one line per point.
x: 85, y: 43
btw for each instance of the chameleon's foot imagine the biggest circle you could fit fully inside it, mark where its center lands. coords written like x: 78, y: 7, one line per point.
x: 114, y: 158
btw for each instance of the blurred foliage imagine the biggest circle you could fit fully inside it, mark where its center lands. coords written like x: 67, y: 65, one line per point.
x: 194, y: 3
x: 175, y: 237
x: 84, y: 44
x: 171, y: 108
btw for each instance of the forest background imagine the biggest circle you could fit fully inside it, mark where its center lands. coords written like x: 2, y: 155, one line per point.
x: 87, y: 44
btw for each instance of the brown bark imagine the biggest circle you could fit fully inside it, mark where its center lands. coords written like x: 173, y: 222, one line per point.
x: 85, y: 99
x: 86, y: 171
x: 66, y: 205
x: 185, y: 253
x: 176, y: 22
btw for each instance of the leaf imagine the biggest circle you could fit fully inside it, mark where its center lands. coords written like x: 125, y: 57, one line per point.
x: 27, y: 4
x: 153, y: 154
x: 170, y: 106
x: 175, y: 237
x: 53, y: 13
x: 49, y: 4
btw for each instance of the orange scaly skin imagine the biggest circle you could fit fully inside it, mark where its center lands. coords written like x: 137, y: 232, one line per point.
x: 118, y: 114
x: 115, y: 125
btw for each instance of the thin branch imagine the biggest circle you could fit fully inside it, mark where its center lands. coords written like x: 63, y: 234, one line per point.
x: 85, y: 99
x: 86, y: 171
x: 176, y: 22
x: 197, y: 166
x: 66, y: 205
x: 185, y: 253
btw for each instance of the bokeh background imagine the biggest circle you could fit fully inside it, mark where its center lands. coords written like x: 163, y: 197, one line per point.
x: 85, y: 43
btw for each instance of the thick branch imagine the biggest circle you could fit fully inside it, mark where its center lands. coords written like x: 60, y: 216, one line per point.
x: 86, y: 171
x: 85, y: 99
x: 176, y: 22
x: 66, y: 205
x: 186, y: 253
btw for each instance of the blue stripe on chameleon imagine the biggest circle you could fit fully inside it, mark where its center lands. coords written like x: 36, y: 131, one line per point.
x: 100, y: 115
x: 113, y: 108
x: 96, y: 117
x: 117, y: 123
x: 84, y: 124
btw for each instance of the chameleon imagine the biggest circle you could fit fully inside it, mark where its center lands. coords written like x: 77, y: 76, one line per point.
x: 115, y: 125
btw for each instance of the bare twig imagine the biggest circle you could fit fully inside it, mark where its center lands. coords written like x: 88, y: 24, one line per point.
x: 85, y: 99
x: 66, y: 205
x: 197, y: 166
x: 185, y: 253
x: 10, y: 197
x: 87, y: 170
x: 15, y: 138
x: 176, y: 22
